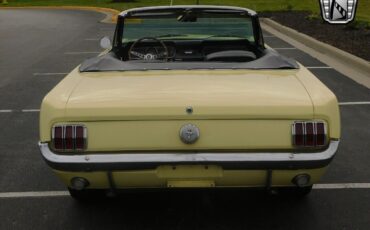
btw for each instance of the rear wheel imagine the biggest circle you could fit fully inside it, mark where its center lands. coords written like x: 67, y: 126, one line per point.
x: 295, y: 191
x: 303, y: 191
x: 86, y: 194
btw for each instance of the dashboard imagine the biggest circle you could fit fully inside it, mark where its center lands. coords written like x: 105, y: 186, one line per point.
x: 186, y: 50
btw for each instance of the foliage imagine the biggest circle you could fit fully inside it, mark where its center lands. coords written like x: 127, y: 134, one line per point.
x: 358, y: 24
x: 313, y: 16
x: 363, y: 9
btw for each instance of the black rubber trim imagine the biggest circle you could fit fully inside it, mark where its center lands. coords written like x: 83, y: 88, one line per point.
x: 89, y: 167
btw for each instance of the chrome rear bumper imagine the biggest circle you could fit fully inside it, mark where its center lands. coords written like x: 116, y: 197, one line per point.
x: 135, y: 161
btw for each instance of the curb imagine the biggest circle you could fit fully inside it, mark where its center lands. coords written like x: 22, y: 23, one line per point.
x: 111, y: 14
x: 331, y: 51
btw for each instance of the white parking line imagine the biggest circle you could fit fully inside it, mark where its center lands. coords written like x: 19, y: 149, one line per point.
x: 33, y: 194
x: 66, y: 193
x: 48, y: 74
x: 285, y: 48
x: 6, y: 110
x: 22, y: 110
x: 319, y: 67
x: 342, y: 186
x: 82, y: 52
x: 30, y: 110
x: 355, y: 103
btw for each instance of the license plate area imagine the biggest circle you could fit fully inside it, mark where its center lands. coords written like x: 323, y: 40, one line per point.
x: 190, y: 176
x: 189, y: 172
x: 190, y: 184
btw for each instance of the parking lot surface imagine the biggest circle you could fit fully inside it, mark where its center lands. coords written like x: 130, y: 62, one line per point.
x: 39, y: 47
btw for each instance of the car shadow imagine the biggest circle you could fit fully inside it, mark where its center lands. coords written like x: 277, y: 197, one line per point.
x: 197, y: 209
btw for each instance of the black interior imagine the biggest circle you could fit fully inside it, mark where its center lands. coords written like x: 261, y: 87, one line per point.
x: 197, y: 50
x: 215, y: 52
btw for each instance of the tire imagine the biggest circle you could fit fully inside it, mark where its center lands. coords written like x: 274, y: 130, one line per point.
x: 303, y: 191
x: 298, y: 192
x: 86, y: 195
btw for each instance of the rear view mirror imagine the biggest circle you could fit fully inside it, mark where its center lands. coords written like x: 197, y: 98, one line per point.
x: 105, y: 43
x: 187, y: 17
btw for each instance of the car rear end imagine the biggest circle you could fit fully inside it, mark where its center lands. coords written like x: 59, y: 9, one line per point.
x: 244, y: 136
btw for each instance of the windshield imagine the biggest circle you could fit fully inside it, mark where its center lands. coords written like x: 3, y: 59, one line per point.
x: 188, y: 37
x: 189, y: 26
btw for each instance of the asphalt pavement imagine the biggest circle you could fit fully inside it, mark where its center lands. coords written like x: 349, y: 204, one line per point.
x: 39, y: 47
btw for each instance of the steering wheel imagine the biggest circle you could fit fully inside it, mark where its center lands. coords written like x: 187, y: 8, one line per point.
x: 148, y: 56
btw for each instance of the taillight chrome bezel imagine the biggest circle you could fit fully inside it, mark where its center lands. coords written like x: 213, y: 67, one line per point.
x: 75, y: 147
x: 315, y: 144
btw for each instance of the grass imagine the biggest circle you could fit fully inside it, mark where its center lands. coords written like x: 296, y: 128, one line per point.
x: 363, y: 9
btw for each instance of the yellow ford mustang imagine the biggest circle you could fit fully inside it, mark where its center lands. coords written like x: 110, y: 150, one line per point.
x: 189, y: 96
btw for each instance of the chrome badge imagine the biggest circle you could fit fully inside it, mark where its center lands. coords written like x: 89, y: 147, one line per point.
x: 338, y: 11
x: 189, y: 133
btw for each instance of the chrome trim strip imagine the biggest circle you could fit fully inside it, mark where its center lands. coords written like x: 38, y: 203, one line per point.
x: 85, y: 137
x: 186, y: 7
x: 53, y: 136
x: 326, y: 133
x: 74, y: 136
x: 244, y: 160
x: 64, y: 130
x: 293, y: 133
x: 304, y: 133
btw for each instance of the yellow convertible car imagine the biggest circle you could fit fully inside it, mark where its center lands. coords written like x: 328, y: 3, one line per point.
x: 189, y: 97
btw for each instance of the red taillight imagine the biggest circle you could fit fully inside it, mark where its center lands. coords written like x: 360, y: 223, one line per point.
x: 309, y: 134
x: 298, y: 134
x: 80, y: 137
x: 320, y: 133
x: 58, y: 137
x: 69, y: 137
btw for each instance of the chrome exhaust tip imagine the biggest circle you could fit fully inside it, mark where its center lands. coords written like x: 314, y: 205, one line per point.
x: 301, y: 180
x: 79, y: 183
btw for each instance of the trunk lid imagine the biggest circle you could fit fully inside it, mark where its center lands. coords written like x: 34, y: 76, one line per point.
x: 213, y: 94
